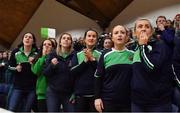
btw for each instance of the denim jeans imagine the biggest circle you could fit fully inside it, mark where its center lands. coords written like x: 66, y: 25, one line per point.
x: 21, y: 100
x: 4, y: 88
x: 42, y: 106
x: 55, y: 100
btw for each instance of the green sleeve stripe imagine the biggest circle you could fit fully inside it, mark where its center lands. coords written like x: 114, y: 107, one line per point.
x: 74, y: 67
x: 177, y: 81
x: 79, y: 53
x: 130, y: 51
x: 136, y: 47
x: 96, y: 76
x: 108, y: 54
x: 149, y: 64
x: 98, y: 52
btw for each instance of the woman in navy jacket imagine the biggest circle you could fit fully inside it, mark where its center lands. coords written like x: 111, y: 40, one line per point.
x: 83, y: 68
x: 152, y: 73
x: 57, y: 71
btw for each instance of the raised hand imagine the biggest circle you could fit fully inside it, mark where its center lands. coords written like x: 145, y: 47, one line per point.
x: 19, y: 68
x: 30, y: 59
x: 143, y: 39
x: 161, y: 27
x: 46, y: 51
x: 88, y: 55
x: 54, y: 61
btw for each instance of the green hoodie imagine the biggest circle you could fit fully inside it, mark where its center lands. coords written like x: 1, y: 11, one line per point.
x: 41, y: 84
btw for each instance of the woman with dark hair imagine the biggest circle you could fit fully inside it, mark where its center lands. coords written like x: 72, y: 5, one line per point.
x: 23, y: 94
x: 54, y: 42
x: 37, y: 66
x: 163, y: 32
x: 107, y: 43
x: 22, y: 43
x: 84, y: 66
x: 176, y: 21
x: 57, y: 72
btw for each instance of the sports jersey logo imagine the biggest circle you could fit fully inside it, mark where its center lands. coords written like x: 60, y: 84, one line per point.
x: 130, y: 57
x: 149, y: 48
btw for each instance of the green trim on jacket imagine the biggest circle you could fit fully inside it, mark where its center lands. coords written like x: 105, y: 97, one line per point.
x: 21, y: 57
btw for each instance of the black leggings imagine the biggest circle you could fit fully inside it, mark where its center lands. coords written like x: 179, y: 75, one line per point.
x: 112, y: 107
x: 84, y: 104
x: 42, y: 106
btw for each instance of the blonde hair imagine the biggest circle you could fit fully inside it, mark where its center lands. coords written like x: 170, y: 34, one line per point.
x: 59, y: 47
x: 121, y: 26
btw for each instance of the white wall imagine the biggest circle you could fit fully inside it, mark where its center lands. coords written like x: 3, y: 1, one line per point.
x: 150, y: 9
x: 55, y: 15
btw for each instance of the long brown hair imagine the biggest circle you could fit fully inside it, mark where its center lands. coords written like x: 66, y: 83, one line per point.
x: 41, y: 50
x: 34, y: 40
x: 59, y: 48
